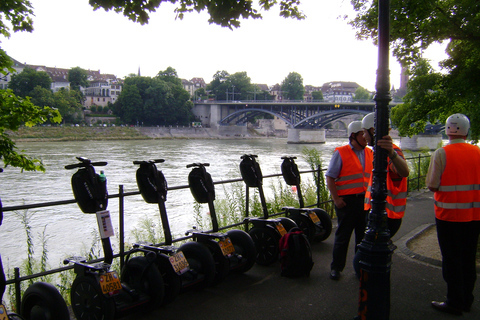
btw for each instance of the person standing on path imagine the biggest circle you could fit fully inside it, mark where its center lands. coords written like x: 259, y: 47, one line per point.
x: 347, y: 178
x: 454, y: 177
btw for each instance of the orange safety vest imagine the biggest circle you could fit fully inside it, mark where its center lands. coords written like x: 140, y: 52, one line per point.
x: 396, y: 193
x: 353, y: 179
x: 458, y: 196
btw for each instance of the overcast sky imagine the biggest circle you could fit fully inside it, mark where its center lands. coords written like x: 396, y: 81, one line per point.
x: 321, y: 48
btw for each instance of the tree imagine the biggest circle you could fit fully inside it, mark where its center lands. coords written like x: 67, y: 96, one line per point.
x: 317, y: 95
x: 169, y: 75
x: 219, y: 85
x: 431, y: 96
x: 292, y: 86
x: 78, y: 77
x: 362, y: 94
x: 23, y: 83
x: 222, y: 12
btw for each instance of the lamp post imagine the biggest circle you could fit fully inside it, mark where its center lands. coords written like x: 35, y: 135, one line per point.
x: 376, y: 248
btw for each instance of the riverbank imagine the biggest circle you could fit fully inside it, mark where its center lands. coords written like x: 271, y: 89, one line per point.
x: 69, y: 133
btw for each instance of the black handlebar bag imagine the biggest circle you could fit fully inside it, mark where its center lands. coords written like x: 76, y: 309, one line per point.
x: 201, y: 185
x: 290, y: 172
x: 251, y: 172
x: 151, y: 183
x: 89, y: 191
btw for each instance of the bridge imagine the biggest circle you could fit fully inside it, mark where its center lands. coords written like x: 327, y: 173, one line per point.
x: 301, y: 117
x: 296, y: 114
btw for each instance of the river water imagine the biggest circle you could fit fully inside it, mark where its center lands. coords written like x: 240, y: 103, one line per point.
x: 70, y: 232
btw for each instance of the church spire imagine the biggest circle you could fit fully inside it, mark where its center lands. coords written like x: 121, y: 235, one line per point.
x: 139, y: 71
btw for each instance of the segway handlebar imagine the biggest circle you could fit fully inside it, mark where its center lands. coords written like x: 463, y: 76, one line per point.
x: 198, y: 164
x: 148, y: 161
x: 84, y: 163
x: 289, y: 158
x: 249, y: 156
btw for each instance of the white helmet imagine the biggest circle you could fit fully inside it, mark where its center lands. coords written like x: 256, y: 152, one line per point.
x: 457, y: 124
x: 354, y: 127
x: 368, y: 121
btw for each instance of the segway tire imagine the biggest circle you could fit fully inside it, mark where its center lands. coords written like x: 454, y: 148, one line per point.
x: 42, y: 301
x: 171, y: 280
x: 287, y: 223
x: 266, y: 242
x: 88, y: 301
x: 222, y: 264
x: 144, y: 277
x: 14, y: 316
x: 202, y: 266
x: 306, y: 225
x: 324, y: 228
x: 244, y: 247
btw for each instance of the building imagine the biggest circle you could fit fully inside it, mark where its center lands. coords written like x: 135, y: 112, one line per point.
x: 193, y: 85
x: 339, y: 91
x: 103, y: 90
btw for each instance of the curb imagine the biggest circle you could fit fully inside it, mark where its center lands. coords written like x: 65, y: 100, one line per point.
x: 403, y: 245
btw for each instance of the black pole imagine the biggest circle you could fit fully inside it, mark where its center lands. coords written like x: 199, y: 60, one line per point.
x: 376, y: 248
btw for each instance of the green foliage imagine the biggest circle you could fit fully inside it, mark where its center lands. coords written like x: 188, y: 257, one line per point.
x: 418, y: 163
x: 431, y: 96
x: 18, y: 14
x: 148, y: 230
x: 362, y: 94
x: 154, y: 101
x: 317, y: 95
x: 78, y: 77
x: 23, y: 83
x: 237, y: 86
x: 292, y: 86
x: 225, y: 13
x: 15, y: 111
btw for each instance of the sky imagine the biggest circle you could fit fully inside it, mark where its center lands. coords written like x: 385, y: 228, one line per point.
x: 322, y: 48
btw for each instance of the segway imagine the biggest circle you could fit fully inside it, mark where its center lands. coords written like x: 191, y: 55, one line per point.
x: 233, y: 250
x: 314, y: 222
x: 97, y: 292
x: 41, y: 300
x: 266, y: 231
x: 188, y: 267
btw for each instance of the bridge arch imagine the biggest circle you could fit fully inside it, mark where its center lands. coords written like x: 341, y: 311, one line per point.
x: 242, y: 116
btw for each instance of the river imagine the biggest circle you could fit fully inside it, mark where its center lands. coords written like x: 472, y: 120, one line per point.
x: 69, y: 231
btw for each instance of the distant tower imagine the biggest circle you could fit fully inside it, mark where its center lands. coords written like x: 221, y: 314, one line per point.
x: 139, y: 71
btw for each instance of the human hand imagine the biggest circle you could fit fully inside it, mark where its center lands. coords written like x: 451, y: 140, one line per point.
x: 386, y: 143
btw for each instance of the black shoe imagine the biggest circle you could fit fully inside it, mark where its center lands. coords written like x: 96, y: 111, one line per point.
x: 334, y: 275
x: 444, y: 307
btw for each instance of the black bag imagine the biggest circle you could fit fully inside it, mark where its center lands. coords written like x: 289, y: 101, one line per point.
x: 251, y: 173
x: 295, y: 254
x: 151, y: 183
x: 290, y: 172
x: 89, y: 190
x: 201, y: 185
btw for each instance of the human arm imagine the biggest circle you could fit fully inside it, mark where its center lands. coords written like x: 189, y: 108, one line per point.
x: 398, y: 162
x: 337, y: 200
x: 435, y: 170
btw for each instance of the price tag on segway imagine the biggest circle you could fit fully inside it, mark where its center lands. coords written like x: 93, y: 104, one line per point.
x: 3, y: 313
x: 110, y: 282
x: 280, y: 228
x: 313, y: 216
x: 179, y: 262
x: 227, y: 247
x: 104, y: 224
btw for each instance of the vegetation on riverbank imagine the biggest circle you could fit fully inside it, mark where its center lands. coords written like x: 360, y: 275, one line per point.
x: 68, y: 133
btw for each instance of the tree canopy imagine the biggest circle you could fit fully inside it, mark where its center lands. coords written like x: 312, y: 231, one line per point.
x: 431, y: 96
x: 226, y: 13
x: 78, y: 77
x: 292, y: 86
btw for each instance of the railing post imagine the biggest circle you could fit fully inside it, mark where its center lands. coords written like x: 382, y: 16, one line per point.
x: 121, y: 221
x: 319, y: 171
x: 18, y: 291
x: 419, y: 173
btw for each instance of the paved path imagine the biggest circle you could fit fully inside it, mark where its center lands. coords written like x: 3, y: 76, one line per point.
x: 262, y: 293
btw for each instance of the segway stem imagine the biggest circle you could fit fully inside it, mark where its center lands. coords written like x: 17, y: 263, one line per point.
x: 165, y: 225
x: 107, y: 250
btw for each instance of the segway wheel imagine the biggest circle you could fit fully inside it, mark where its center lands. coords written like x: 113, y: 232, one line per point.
x: 14, y: 316
x: 244, y: 247
x: 222, y: 264
x: 266, y: 244
x: 144, y: 277
x: 42, y: 301
x: 202, y: 266
x: 306, y: 225
x: 324, y: 228
x: 171, y: 280
x: 88, y: 301
x: 287, y: 223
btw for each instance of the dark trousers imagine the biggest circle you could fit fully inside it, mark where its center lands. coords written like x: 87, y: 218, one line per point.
x: 351, y: 218
x: 458, y: 243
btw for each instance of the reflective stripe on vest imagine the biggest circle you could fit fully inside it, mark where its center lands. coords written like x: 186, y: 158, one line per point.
x: 353, y: 179
x: 458, y: 195
x: 396, y: 195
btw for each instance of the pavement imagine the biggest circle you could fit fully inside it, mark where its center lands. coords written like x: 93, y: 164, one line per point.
x: 261, y: 293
